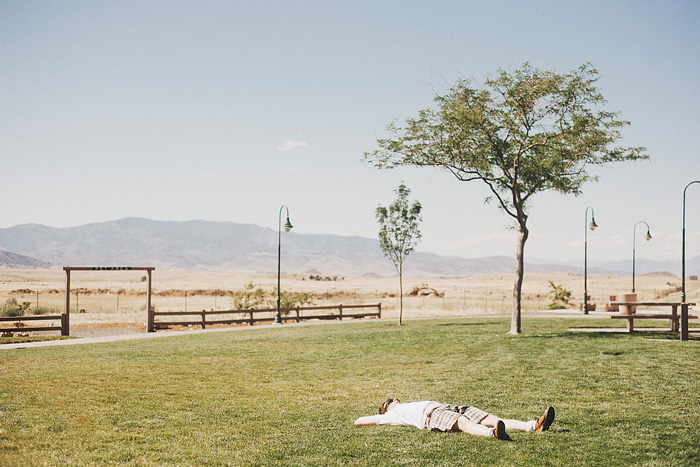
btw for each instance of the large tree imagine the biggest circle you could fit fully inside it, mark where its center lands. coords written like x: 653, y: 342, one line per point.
x: 399, y: 232
x: 521, y: 133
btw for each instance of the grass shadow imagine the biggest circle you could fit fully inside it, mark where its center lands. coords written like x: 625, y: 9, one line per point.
x: 606, y: 334
x: 653, y: 335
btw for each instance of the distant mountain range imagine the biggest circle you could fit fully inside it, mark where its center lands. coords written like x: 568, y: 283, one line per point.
x: 13, y: 260
x: 228, y: 246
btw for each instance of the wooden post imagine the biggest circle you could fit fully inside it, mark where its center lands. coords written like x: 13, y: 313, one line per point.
x: 251, y: 316
x: 684, y: 321
x: 674, y: 320
x: 67, y: 309
x: 297, y: 310
x: 629, y: 310
x: 379, y: 310
x: 64, y: 325
x: 204, y: 319
x: 149, y: 307
x: 340, y: 310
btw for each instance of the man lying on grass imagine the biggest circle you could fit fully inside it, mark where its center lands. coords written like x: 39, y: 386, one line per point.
x: 433, y: 415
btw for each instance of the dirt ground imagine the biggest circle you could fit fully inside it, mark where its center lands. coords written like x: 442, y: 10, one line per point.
x: 104, y: 302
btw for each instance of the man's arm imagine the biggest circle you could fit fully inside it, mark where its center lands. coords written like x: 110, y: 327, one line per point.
x: 364, y: 421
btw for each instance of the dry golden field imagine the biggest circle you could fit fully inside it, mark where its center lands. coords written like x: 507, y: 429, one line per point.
x: 113, y: 298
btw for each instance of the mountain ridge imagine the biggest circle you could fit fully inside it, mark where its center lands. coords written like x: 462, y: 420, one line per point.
x: 233, y: 247
x: 14, y: 260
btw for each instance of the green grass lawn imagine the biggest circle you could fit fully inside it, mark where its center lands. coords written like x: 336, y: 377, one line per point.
x: 289, y: 395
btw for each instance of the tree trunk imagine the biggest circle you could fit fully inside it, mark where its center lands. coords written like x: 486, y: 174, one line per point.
x: 400, y: 293
x: 515, y: 327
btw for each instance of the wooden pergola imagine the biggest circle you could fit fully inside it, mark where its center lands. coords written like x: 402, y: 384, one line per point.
x: 68, y: 270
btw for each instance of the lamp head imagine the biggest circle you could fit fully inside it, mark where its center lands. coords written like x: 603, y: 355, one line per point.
x: 287, y: 225
x: 593, y: 225
x: 648, y: 236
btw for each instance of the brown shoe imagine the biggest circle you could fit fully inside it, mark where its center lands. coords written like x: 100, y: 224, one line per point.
x: 545, y: 420
x: 500, y: 431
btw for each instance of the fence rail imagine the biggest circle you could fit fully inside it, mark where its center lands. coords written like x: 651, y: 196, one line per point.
x: 20, y: 326
x: 251, y: 316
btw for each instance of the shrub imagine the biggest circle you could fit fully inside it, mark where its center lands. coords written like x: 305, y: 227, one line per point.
x: 251, y: 297
x: 11, y: 308
x: 46, y: 310
x: 290, y: 300
x: 560, y: 296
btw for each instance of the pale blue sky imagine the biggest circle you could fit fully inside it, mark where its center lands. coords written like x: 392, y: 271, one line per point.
x: 225, y: 110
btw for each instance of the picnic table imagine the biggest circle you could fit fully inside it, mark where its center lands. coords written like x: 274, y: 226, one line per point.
x: 628, y: 311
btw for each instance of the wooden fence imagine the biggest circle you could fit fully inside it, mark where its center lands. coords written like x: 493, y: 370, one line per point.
x: 252, y: 316
x: 19, y: 323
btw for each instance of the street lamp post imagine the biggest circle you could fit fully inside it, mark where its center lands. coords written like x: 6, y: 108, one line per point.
x: 287, y: 228
x: 683, y: 254
x: 647, y: 237
x: 591, y: 226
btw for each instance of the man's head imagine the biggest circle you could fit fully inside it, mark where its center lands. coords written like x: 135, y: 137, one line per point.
x: 388, y: 405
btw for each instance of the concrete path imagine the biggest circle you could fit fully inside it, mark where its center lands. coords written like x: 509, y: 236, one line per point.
x: 124, y: 337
